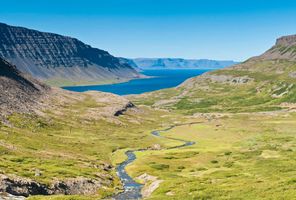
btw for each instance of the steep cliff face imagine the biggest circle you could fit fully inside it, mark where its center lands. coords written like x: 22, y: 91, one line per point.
x: 286, y: 40
x: 60, y: 59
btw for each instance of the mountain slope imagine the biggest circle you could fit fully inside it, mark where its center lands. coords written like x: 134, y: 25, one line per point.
x: 19, y: 92
x: 179, y: 63
x: 262, y: 83
x: 130, y: 62
x: 285, y: 48
x: 53, y: 141
x: 59, y: 59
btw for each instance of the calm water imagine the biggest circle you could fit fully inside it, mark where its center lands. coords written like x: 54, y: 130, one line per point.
x: 161, y: 79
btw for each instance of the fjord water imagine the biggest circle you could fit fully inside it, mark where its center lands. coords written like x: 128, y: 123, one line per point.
x: 160, y: 79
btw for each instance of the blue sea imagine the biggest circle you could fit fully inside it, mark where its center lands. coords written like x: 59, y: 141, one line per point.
x: 160, y: 79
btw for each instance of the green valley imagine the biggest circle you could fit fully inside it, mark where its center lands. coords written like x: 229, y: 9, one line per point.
x: 226, y: 134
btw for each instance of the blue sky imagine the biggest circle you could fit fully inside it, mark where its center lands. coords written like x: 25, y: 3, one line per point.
x: 214, y: 29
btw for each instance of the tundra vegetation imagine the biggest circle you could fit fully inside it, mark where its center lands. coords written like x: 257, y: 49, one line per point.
x: 242, y: 120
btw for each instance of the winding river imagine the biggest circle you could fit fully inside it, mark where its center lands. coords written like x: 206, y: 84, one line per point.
x: 132, y: 189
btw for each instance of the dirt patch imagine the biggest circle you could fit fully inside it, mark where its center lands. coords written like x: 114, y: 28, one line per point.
x: 269, y: 154
x: 170, y: 193
x: 151, y: 183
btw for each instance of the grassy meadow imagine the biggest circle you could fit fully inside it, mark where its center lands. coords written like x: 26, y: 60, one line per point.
x: 238, y: 156
x: 67, y: 143
x: 245, y: 141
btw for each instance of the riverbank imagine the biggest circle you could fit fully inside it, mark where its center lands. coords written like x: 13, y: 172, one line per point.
x: 229, y: 161
x: 131, y: 188
x: 77, y: 145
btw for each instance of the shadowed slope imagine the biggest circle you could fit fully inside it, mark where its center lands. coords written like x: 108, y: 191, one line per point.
x: 19, y: 92
x: 60, y: 60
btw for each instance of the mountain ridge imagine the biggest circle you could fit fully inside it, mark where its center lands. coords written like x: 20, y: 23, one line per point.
x: 284, y: 48
x: 55, y: 58
x: 181, y: 63
x: 286, y: 40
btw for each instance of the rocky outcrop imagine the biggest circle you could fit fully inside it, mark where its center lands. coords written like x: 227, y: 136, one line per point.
x: 228, y: 79
x: 124, y: 109
x: 60, y: 59
x: 25, y: 187
x: 111, y: 105
x: 82, y: 186
x: 21, y: 187
x: 286, y: 40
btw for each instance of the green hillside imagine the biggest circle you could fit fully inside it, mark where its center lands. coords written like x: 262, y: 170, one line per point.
x: 261, y: 83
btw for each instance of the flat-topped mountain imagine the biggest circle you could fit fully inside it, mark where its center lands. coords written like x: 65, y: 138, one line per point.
x: 285, y: 48
x: 60, y: 60
x: 180, y: 63
x: 286, y: 40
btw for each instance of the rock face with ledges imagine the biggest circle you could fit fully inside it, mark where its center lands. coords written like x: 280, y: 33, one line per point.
x: 286, y: 40
x: 53, y: 57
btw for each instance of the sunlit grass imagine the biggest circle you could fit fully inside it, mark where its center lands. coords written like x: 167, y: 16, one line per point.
x: 71, y: 144
x: 239, y: 157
